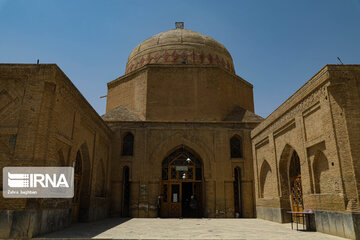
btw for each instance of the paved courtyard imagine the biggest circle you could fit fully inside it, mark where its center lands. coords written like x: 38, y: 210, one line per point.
x: 156, y: 228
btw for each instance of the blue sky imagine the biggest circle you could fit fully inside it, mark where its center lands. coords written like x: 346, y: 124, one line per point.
x: 276, y: 45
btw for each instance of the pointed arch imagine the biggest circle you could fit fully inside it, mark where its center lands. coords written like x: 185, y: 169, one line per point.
x: 284, y: 171
x: 295, y: 183
x: 265, y: 180
x: 182, y: 181
x: 173, y: 142
x: 290, y: 181
x: 82, y: 169
x: 321, y: 173
x: 179, y: 156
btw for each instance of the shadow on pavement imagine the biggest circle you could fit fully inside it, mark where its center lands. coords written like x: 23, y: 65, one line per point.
x: 84, y: 230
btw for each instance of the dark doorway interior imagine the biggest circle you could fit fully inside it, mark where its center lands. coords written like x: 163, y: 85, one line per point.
x: 187, y: 191
x: 237, y: 192
x: 126, y: 192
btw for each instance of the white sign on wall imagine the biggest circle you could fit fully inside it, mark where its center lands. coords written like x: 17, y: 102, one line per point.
x: 181, y: 168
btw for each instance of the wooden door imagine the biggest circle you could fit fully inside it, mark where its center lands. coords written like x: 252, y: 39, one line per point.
x: 178, y: 168
x: 296, y: 196
x: 175, y: 200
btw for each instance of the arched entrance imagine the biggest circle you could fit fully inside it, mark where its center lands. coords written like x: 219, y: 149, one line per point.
x: 182, y: 177
x: 295, y: 184
x: 290, y: 182
x: 81, y: 199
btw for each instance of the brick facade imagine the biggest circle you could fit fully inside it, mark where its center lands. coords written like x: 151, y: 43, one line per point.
x: 165, y: 106
x: 320, y: 122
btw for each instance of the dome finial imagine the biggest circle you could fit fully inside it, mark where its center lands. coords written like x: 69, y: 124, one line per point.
x: 179, y: 25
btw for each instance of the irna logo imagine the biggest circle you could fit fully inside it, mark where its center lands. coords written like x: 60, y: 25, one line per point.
x: 19, y: 180
x: 38, y: 182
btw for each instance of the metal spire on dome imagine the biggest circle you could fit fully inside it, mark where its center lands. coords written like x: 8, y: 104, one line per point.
x: 179, y: 25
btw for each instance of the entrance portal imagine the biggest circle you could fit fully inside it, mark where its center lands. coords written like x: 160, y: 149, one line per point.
x: 295, y: 184
x: 181, y: 186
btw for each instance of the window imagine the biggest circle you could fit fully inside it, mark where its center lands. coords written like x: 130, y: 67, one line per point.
x: 236, y: 147
x: 181, y: 165
x: 128, y: 145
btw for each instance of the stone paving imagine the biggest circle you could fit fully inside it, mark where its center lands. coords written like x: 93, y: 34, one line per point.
x: 156, y: 228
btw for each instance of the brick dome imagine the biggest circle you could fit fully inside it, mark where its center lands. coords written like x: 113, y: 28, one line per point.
x: 180, y: 46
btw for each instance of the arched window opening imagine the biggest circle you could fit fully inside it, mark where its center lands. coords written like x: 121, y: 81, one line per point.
x: 126, y: 192
x: 236, y: 147
x: 128, y: 145
x: 237, y: 192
